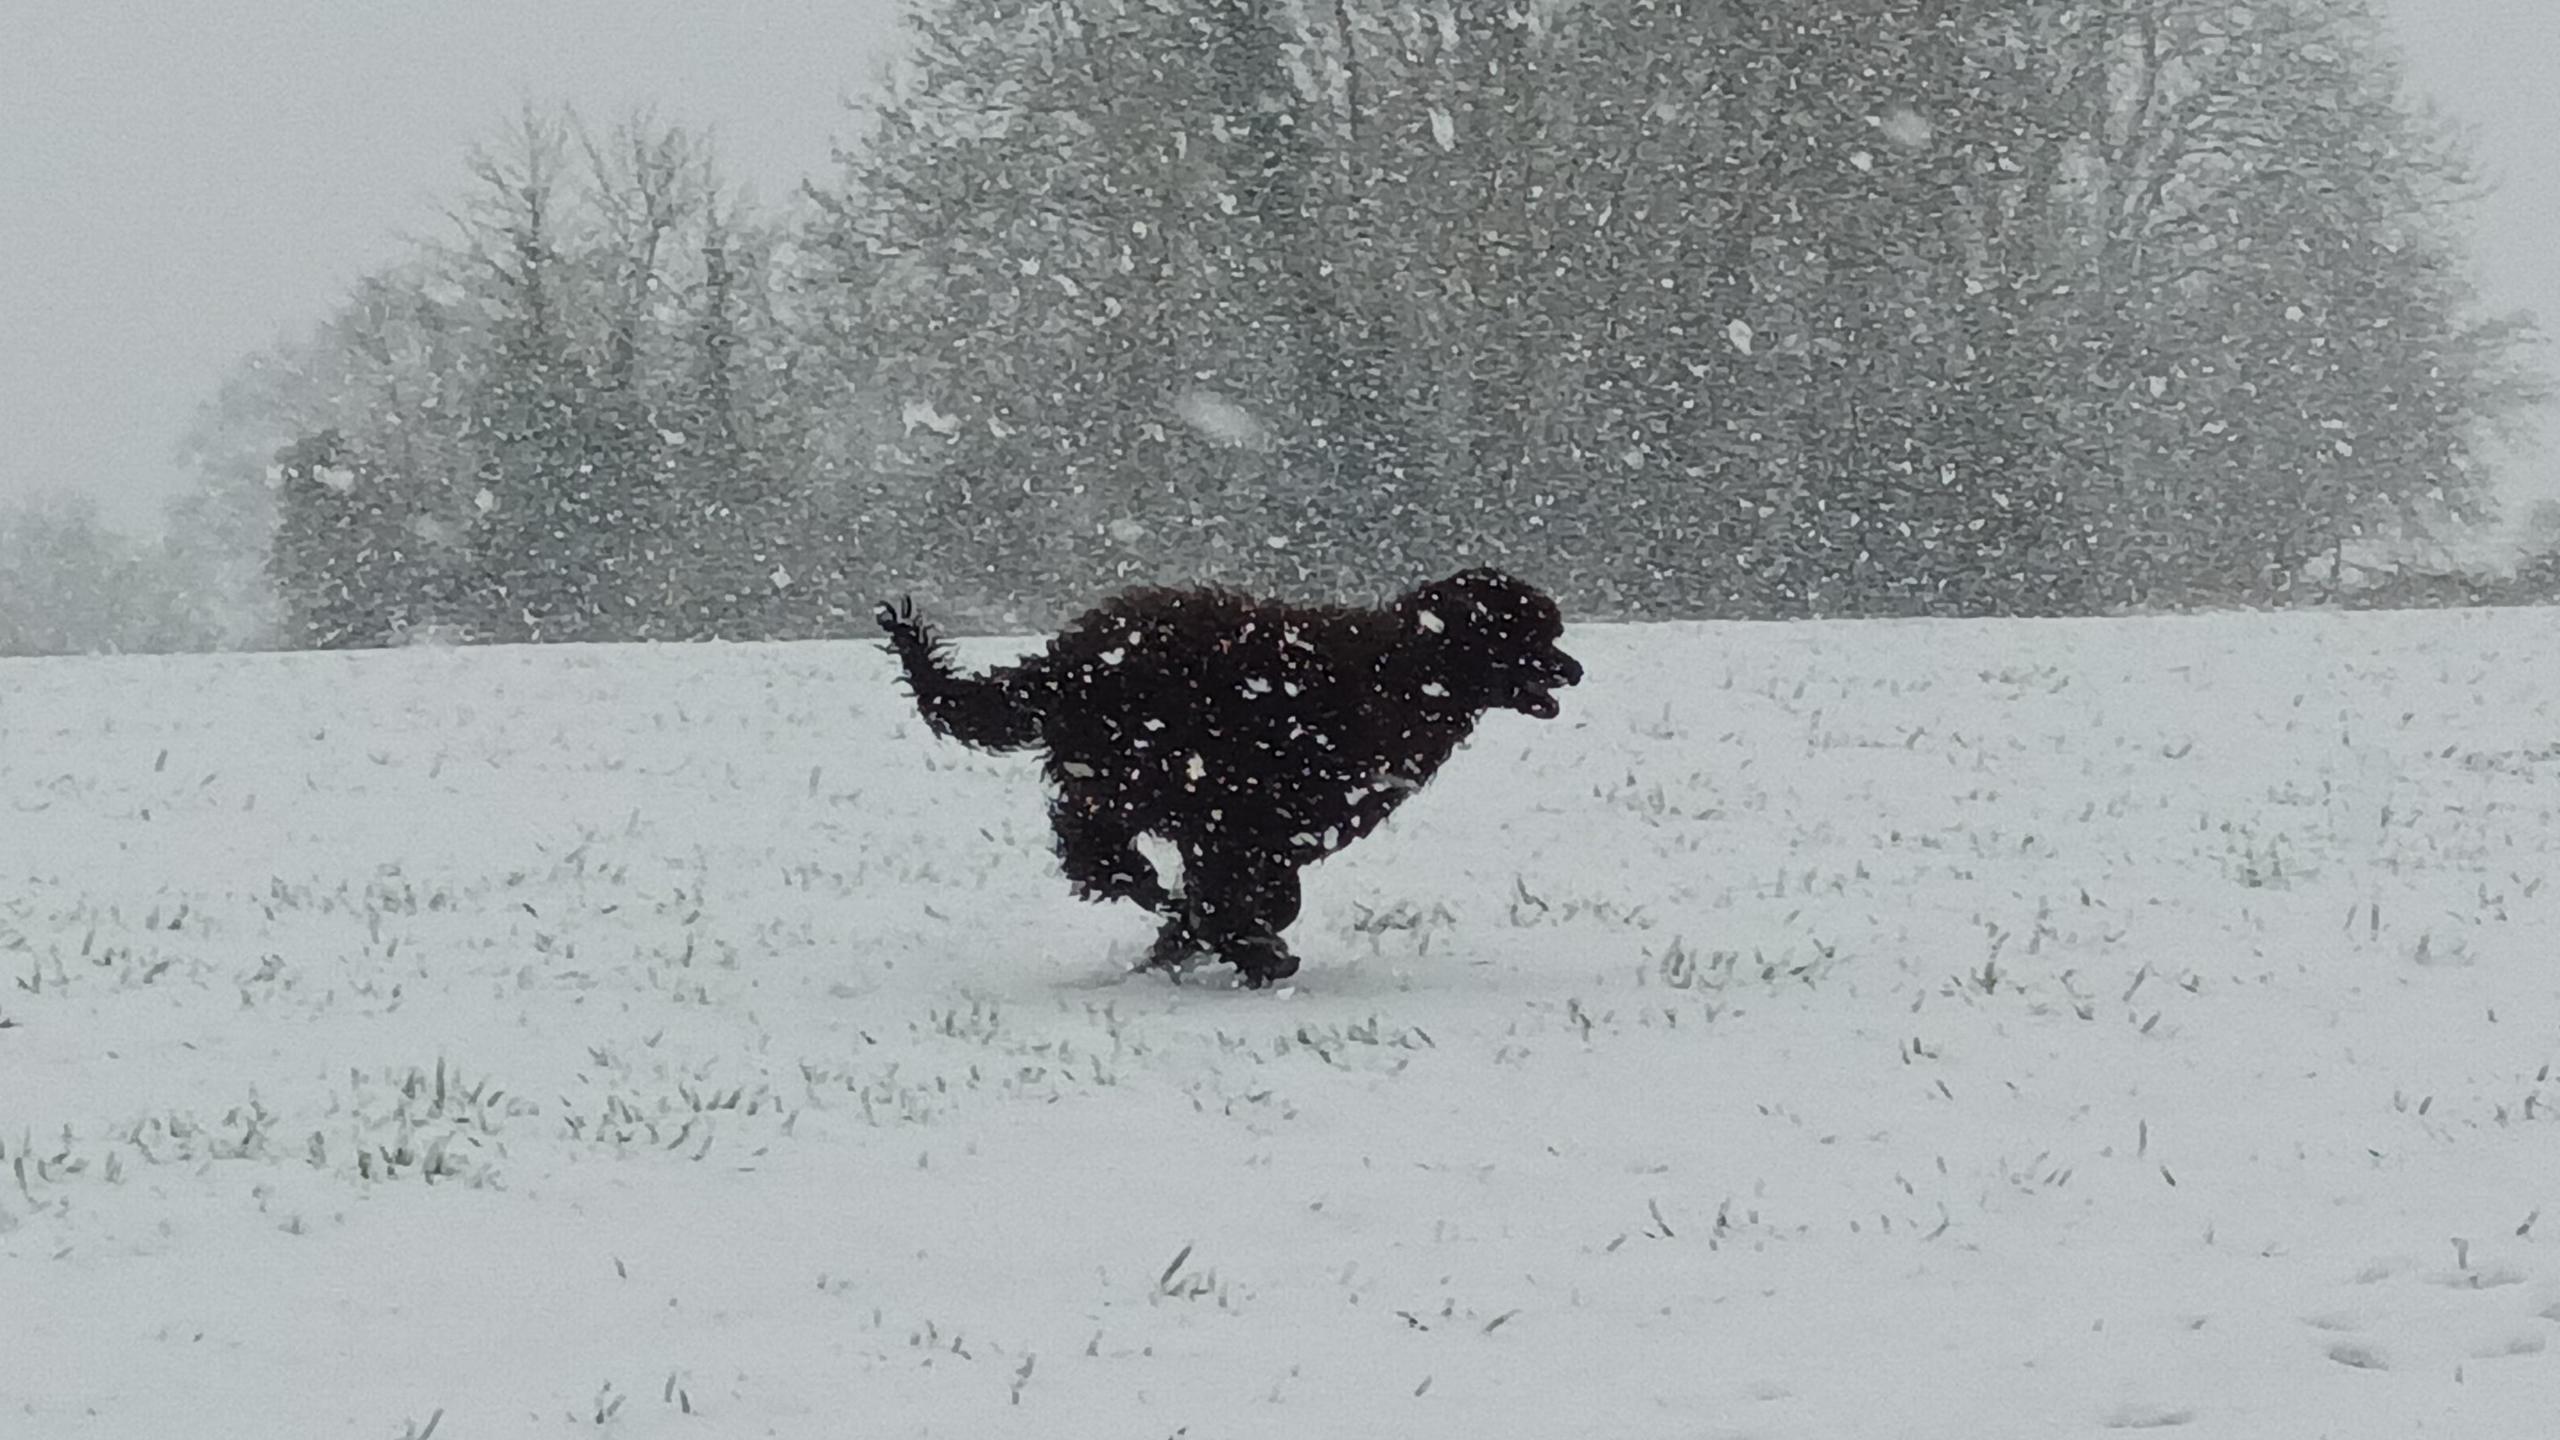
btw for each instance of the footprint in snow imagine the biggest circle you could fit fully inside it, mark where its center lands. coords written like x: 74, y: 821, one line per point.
x: 2522, y: 1342
x: 2490, y: 1277
x: 2379, y: 1271
x: 2494, y: 1331
x: 2147, y: 1417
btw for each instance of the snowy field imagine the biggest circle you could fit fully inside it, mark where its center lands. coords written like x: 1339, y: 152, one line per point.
x: 1822, y: 1031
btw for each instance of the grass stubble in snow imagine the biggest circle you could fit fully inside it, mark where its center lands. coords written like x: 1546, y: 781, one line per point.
x: 1826, y: 1030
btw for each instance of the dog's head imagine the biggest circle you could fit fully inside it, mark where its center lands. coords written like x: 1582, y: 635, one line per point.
x: 1492, y: 638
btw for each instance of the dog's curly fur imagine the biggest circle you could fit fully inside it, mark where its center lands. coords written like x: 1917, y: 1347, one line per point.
x: 1256, y: 736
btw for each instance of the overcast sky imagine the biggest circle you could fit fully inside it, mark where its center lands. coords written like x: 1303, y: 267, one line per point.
x: 181, y: 184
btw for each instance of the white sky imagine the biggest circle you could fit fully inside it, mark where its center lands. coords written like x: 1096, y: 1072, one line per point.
x: 183, y: 184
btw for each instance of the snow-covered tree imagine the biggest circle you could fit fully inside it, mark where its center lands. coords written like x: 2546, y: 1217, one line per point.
x: 1682, y: 307
x: 569, y: 421
x: 72, y: 585
x: 1698, y: 305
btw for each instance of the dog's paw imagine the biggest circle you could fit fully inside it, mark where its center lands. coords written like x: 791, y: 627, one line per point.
x: 1260, y: 961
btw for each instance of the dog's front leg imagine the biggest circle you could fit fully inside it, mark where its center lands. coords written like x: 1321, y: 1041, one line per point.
x: 1177, y: 940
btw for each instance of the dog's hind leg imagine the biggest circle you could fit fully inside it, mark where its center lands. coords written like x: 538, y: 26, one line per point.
x: 1238, y: 903
x: 1098, y: 850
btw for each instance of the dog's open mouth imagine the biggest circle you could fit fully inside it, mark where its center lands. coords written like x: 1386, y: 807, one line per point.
x: 1536, y: 697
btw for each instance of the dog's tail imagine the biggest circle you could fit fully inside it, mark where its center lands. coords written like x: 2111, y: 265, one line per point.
x: 980, y: 710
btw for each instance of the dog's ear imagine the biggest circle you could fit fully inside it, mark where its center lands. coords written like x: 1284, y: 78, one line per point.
x: 1498, y: 602
x: 1456, y: 603
x: 1428, y: 610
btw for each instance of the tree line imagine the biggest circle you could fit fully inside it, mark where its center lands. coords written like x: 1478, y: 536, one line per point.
x: 1682, y: 307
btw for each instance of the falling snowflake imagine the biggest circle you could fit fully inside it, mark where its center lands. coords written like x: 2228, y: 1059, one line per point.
x: 1221, y: 421
x: 1906, y: 127
x: 925, y: 415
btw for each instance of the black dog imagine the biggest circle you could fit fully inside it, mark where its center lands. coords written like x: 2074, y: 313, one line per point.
x: 1255, y: 736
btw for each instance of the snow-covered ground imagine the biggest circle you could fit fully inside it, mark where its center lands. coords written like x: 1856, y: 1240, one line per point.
x: 1822, y: 1031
